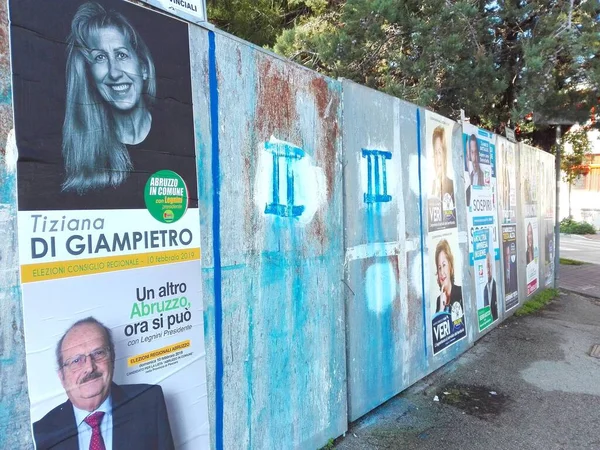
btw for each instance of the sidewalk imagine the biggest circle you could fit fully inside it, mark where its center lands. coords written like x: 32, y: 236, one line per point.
x: 528, y: 384
x: 584, y: 279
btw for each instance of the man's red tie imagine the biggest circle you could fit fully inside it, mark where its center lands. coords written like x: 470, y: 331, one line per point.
x: 94, y: 420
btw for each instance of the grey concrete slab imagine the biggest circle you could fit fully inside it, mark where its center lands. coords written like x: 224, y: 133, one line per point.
x: 532, y: 382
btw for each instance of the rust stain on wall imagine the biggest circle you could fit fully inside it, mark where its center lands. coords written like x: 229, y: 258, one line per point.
x: 275, y: 105
x: 327, y: 105
x: 327, y: 108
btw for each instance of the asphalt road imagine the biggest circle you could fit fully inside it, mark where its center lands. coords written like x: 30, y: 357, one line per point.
x: 528, y: 384
x: 581, y: 248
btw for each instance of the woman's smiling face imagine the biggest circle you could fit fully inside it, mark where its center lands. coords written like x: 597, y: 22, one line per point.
x: 444, y: 271
x: 115, y: 68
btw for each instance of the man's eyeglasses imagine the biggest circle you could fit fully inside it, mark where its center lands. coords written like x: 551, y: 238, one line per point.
x: 77, y: 362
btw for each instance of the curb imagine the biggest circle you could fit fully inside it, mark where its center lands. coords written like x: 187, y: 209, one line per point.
x: 583, y: 294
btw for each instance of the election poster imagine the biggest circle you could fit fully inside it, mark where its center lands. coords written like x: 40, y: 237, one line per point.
x: 482, y: 201
x: 507, y: 183
x: 509, y: 257
x: 486, y: 288
x: 530, y: 176
x: 448, y: 324
x: 441, y: 208
x: 532, y: 254
x: 529, y: 180
x: 507, y: 201
x: 109, y: 239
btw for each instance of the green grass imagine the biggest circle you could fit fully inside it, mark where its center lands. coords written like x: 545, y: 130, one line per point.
x: 537, y: 302
x: 328, y: 446
x: 571, y: 262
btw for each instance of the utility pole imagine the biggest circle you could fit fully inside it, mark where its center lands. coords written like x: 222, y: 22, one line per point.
x: 556, y: 209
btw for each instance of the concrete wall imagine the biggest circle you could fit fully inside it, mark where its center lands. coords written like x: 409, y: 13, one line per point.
x: 272, y: 196
x: 377, y: 130
x: 14, y: 402
x: 314, y: 283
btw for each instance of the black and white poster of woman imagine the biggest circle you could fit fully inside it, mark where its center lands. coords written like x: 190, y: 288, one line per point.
x: 102, y: 101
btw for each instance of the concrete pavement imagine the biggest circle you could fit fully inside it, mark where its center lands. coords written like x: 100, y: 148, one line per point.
x: 528, y: 384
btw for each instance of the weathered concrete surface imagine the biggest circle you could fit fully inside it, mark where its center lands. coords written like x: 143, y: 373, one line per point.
x: 14, y: 401
x: 281, y: 249
x: 377, y: 317
x: 545, y: 383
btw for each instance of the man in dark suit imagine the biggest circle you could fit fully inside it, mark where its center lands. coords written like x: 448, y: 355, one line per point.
x: 489, y: 293
x: 100, y: 414
x: 510, y: 271
x: 476, y: 177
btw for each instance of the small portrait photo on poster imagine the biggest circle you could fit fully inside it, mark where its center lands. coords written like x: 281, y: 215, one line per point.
x: 100, y: 414
x: 442, y: 186
x: 450, y: 295
x: 113, y: 107
x: 510, y: 267
x: 475, y: 175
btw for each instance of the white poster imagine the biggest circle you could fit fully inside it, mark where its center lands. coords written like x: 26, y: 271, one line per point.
x: 191, y: 10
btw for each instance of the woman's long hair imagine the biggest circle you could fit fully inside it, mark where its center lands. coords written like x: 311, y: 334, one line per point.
x: 94, y: 156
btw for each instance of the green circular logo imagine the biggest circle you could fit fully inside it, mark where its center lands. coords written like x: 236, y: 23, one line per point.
x: 166, y: 196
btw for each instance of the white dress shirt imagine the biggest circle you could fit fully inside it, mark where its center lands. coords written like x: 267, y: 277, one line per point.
x: 85, y: 431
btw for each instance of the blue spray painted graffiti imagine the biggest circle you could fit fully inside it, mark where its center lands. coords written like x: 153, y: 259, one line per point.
x: 289, y: 153
x: 380, y: 281
x: 377, y: 178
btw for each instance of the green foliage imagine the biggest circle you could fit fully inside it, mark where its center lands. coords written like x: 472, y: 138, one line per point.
x: 559, y: 79
x: 501, y: 61
x: 571, y: 262
x: 570, y: 226
x: 537, y: 302
x: 432, y: 53
x: 260, y: 21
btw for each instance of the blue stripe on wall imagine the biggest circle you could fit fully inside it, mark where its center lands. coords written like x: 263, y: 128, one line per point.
x: 216, y: 228
x: 422, y: 234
